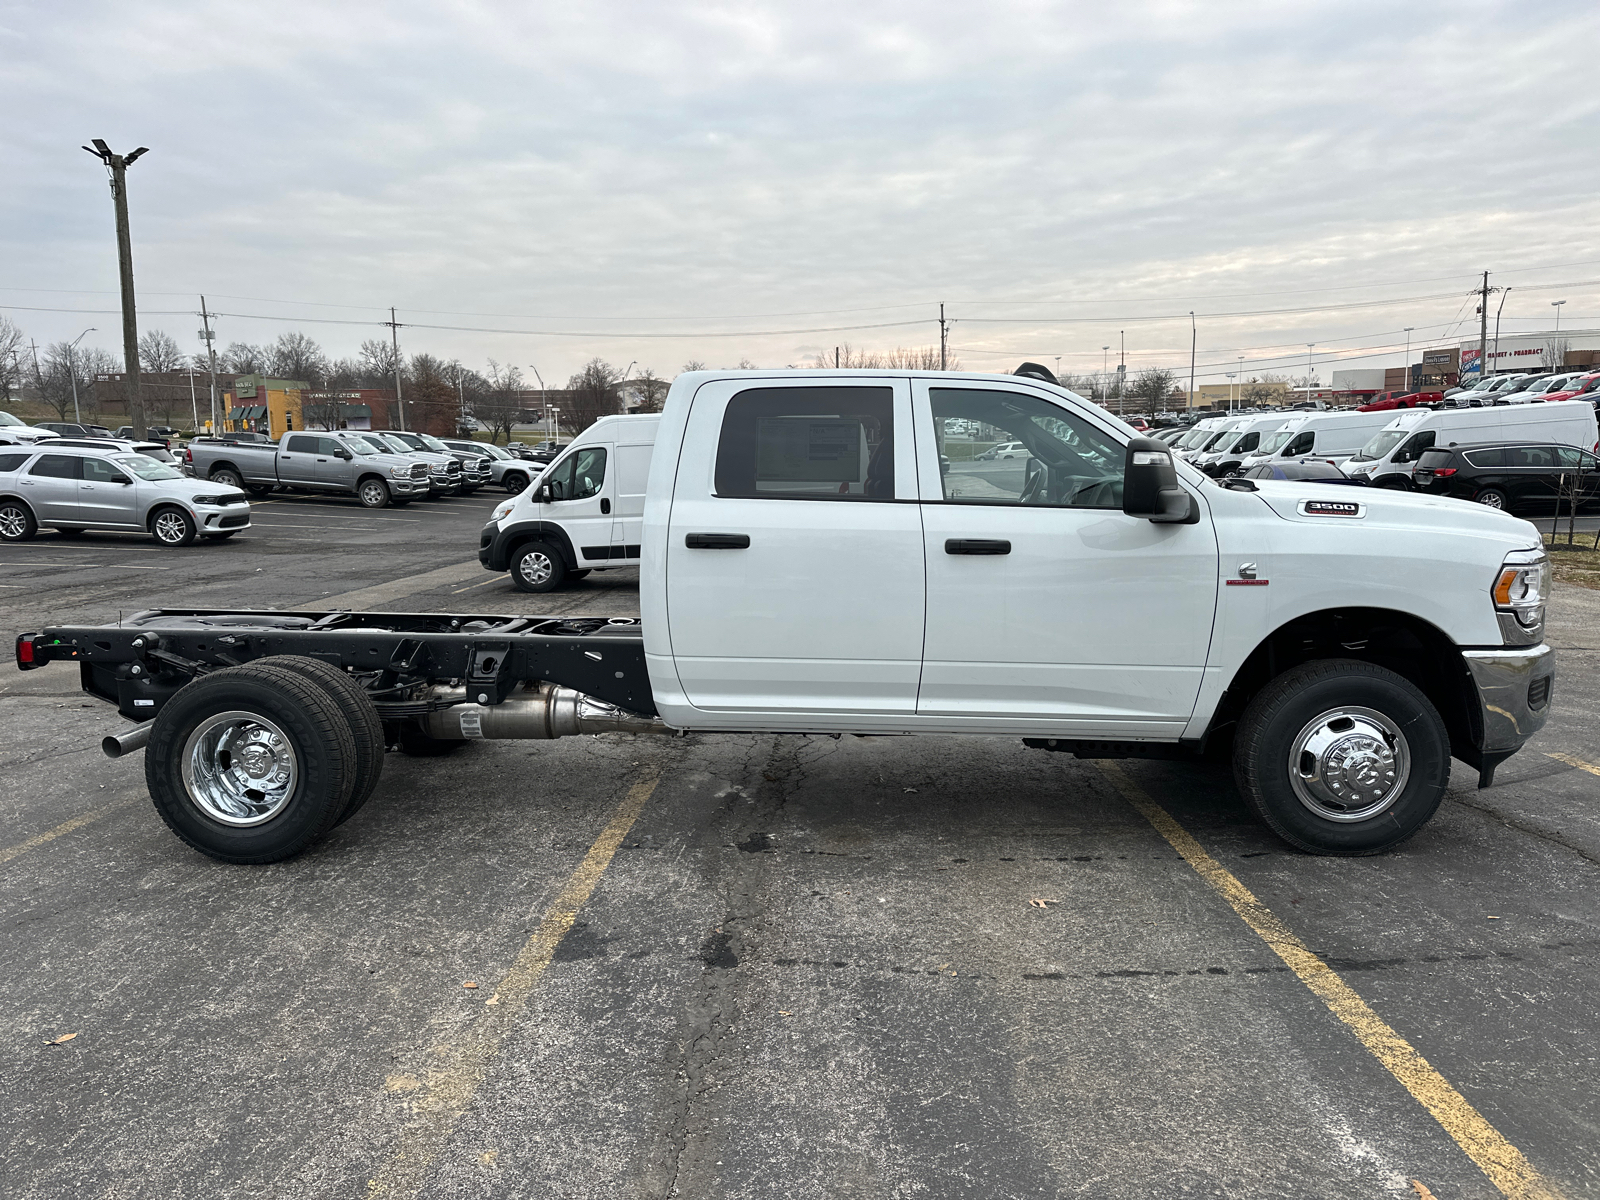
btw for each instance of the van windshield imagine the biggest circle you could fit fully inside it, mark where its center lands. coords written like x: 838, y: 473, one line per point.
x: 1192, y: 439
x: 1382, y: 442
x: 1215, y: 441
x: 1274, y: 442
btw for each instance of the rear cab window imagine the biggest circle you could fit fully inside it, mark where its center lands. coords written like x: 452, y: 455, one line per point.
x: 802, y: 443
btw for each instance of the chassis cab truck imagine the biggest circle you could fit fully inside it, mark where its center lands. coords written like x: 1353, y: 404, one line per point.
x: 814, y: 562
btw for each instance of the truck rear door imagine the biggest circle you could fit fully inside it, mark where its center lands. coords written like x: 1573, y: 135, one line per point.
x: 1045, y: 601
x: 794, y: 573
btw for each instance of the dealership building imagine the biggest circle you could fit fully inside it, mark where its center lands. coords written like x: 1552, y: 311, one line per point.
x: 1547, y: 351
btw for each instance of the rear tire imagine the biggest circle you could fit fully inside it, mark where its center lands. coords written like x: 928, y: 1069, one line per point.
x: 16, y: 521
x: 257, y: 491
x: 1492, y: 498
x: 251, y: 764
x: 1342, y: 757
x: 173, y: 527
x: 537, y: 567
x: 228, y: 477
x: 366, y: 727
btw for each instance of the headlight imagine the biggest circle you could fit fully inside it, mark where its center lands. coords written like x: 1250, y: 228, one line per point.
x: 400, y: 472
x: 504, y: 510
x: 1520, y: 592
x: 206, y: 500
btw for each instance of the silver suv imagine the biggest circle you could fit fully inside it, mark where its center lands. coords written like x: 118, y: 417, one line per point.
x: 74, y: 488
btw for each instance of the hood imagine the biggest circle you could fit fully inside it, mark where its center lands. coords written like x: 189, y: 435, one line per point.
x: 1330, y: 504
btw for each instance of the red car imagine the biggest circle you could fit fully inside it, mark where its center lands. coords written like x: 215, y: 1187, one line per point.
x: 1576, y: 388
x: 1387, y: 400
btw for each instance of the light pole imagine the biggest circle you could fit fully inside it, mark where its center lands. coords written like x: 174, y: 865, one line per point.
x: 544, y: 399
x: 72, y: 370
x: 1232, y: 375
x: 1194, y: 338
x: 1105, y: 375
x: 1058, y: 368
x: 1309, y: 345
x: 1406, y: 387
x: 1556, y: 304
x: 1241, y: 379
x: 555, y: 421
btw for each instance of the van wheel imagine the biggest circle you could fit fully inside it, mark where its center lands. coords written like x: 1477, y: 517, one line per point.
x: 16, y: 521
x: 514, y: 481
x: 355, y: 705
x: 374, y: 493
x: 228, y: 477
x: 173, y: 527
x: 1342, y: 757
x: 250, y: 764
x: 1491, y: 498
x: 537, y: 567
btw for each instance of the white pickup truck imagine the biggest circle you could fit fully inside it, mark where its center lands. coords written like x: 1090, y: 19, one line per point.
x: 814, y: 563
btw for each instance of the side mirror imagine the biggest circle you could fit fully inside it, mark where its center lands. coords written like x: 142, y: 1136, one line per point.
x: 1150, y: 487
x: 542, y: 494
x: 124, y: 481
x: 343, y: 453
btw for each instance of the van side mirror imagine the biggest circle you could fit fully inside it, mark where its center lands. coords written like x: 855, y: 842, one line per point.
x: 1150, y: 487
x: 542, y: 494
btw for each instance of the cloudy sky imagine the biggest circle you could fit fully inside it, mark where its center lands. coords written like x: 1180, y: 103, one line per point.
x: 544, y: 182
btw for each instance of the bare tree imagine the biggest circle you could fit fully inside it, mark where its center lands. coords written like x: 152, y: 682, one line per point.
x: 901, y: 358
x: 11, y: 371
x: 241, y: 358
x: 159, y: 352
x: 296, y: 356
x: 500, y: 404
x: 1083, y: 385
x: 652, y: 391
x: 1268, y: 389
x: 378, y: 362
x: 694, y: 364
x: 592, y: 394
x: 64, y: 365
x: 1554, y: 355
x: 1151, y: 385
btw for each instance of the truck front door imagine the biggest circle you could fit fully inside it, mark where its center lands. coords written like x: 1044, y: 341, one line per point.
x: 1045, y: 601
x: 794, y: 577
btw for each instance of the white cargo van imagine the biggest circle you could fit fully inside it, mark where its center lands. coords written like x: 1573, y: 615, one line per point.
x: 1334, y: 436
x: 1225, y: 454
x: 585, y: 512
x: 1213, y: 430
x: 1198, y: 434
x: 1389, y: 458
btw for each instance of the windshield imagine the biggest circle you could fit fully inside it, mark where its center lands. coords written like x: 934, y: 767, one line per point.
x: 363, y: 445
x: 433, y: 443
x: 1382, y: 442
x: 1214, y: 441
x: 146, y: 468
x: 7, y: 419
x: 1224, y: 442
x: 1192, y: 439
x: 1274, y: 442
x: 392, y: 444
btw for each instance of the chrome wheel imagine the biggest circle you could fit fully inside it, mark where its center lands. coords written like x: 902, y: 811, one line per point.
x: 171, y: 528
x: 1349, y: 764
x: 13, y: 523
x: 536, y: 568
x: 239, y: 768
x: 1491, y: 499
x: 228, y: 478
x: 374, y: 494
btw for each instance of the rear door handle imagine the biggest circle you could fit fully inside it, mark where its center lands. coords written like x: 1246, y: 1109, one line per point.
x: 717, y: 541
x: 977, y: 546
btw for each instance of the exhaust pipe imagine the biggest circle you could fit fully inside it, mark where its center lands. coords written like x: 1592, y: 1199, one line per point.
x: 552, y: 712
x: 118, y: 744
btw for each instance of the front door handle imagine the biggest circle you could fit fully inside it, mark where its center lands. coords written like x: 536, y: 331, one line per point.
x: 605, y: 505
x: 977, y: 546
x: 717, y: 541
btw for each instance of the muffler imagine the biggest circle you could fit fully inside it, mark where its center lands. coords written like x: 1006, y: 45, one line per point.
x: 117, y: 744
x: 552, y: 712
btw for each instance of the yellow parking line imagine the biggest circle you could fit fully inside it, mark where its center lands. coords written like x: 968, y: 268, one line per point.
x: 447, y: 1091
x: 61, y: 830
x: 1497, y: 1158
x: 1572, y: 761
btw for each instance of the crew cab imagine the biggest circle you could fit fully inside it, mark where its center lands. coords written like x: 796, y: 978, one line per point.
x: 16, y: 432
x: 337, y: 462
x: 809, y: 568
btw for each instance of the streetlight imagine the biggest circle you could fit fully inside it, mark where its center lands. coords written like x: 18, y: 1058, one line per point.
x: 1105, y: 375
x: 1232, y: 375
x: 1406, y: 386
x: 1309, y: 345
x: 544, y: 399
x: 1556, y: 304
x: 1194, y: 338
x: 72, y: 370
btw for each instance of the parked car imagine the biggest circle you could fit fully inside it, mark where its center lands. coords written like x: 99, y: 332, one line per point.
x: 1002, y: 450
x: 585, y: 512
x: 1582, y: 385
x: 539, y: 452
x: 1536, y: 388
x: 344, y: 461
x: 165, y: 434
x: 74, y: 429
x: 1519, y: 477
x: 475, y: 472
x: 1389, y: 459
x: 155, y: 450
x: 1307, y: 470
x: 446, y: 476
x: 16, y: 432
x: 74, y: 488
x: 1384, y: 401
x: 505, y: 469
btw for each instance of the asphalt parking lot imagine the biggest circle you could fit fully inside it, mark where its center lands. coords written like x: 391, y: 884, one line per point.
x: 754, y: 966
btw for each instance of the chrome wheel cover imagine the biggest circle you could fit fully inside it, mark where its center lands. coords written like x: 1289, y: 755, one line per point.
x: 373, y: 493
x: 239, y: 768
x: 1349, y: 764
x: 13, y: 522
x: 171, y: 528
x: 535, y: 567
x: 1491, y: 500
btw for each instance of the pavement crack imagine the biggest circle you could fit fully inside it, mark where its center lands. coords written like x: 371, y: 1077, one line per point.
x: 1528, y: 827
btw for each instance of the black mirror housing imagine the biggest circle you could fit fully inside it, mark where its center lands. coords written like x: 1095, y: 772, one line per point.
x: 1150, y: 487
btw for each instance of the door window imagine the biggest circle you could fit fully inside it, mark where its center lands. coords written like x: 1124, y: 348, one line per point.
x: 1530, y: 456
x: 328, y: 446
x: 1418, y: 443
x: 1070, y: 463
x: 578, y: 476
x: 807, y: 443
x: 1302, y: 443
x: 10, y: 462
x: 1570, y: 458
x: 57, y: 466
x: 1487, y: 458
x: 96, y: 470
x: 302, y: 444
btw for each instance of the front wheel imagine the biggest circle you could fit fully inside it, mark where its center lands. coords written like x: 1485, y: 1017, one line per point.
x: 514, y: 481
x: 1342, y: 757
x: 16, y: 521
x: 173, y: 527
x: 373, y: 493
x: 537, y: 567
x: 1491, y: 498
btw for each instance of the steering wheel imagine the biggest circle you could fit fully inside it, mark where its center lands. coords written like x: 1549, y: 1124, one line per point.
x: 1098, y: 494
x: 1033, y: 489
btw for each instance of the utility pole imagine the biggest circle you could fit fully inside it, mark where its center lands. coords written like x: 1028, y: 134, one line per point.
x: 944, y: 337
x: 118, y: 165
x: 1309, y: 345
x: 1483, y: 330
x: 1407, y: 384
x: 211, y: 359
x: 399, y: 401
x: 1194, y: 340
x: 1105, y: 376
x: 1122, y: 367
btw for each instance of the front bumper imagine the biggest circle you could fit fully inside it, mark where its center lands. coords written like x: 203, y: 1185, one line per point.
x: 1514, y: 690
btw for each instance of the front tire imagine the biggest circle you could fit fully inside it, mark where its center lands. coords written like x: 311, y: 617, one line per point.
x: 515, y: 481
x: 1342, y: 757
x: 537, y: 567
x: 251, y: 764
x: 172, y: 527
x: 16, y: 521
x: 373, y: 493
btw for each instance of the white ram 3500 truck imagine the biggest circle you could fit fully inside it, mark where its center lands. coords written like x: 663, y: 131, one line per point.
x: 814, y: 563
